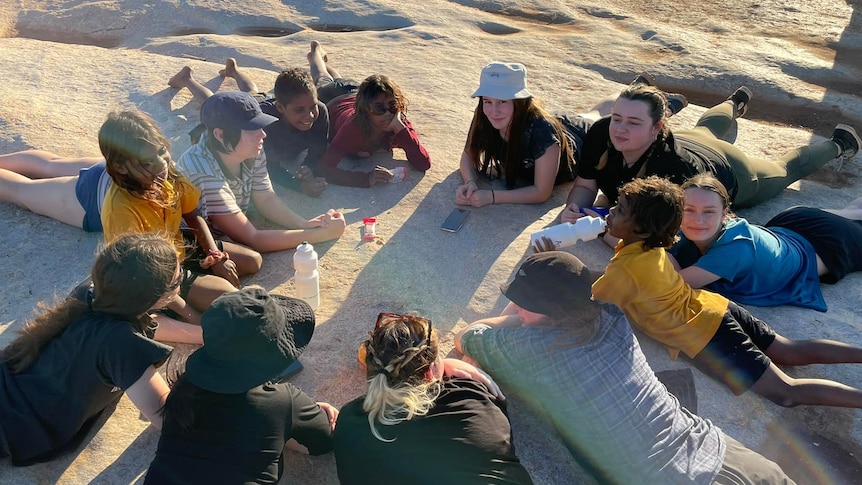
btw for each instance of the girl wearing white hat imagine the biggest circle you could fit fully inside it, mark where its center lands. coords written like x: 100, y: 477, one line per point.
x: 512, y: 137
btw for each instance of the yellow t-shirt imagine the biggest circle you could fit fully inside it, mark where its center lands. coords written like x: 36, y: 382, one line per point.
x: 657, y: 300
x: 123, y: 213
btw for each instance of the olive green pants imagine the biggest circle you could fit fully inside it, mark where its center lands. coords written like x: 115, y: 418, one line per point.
x: 757, y: 180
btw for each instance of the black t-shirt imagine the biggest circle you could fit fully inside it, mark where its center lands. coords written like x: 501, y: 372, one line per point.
x: 676, y: 159
x: 284, y: 144
x: 538, y: 136
x: 49, y: 407
x: 464, y: 439
x: 239, y: 438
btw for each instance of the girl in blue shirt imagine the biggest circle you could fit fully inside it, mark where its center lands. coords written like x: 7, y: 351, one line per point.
x: 781, y: 263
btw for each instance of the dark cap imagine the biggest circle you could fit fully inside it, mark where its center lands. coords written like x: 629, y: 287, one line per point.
x: 234, y: 110
x: 250, y: 337
x: 552, y: 283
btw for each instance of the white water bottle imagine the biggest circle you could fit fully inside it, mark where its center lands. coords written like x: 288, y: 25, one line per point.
x: 307, y: 278
x: 566, y: 234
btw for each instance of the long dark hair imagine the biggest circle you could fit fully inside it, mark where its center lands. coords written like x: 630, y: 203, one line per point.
x: 370, y: 88
x: 129, y: 276
x: 122, y: 139
x: 484, y: 141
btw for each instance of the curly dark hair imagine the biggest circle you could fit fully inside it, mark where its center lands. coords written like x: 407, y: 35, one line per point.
x: 656, y: 206
x: 370, y: 88
x: 291, y: 83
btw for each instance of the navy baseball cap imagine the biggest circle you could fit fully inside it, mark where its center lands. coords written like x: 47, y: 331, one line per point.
x: 234, y: 110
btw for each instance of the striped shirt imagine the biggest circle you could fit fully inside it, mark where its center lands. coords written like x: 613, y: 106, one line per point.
x: 223, y: 193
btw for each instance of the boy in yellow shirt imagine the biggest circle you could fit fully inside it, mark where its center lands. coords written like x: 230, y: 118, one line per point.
x: 723, y: 339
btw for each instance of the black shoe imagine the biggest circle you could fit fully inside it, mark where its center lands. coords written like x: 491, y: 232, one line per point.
x: 643, y: 78
x: 741, y: 97
x: 675, y: 103
x: 846, y: 139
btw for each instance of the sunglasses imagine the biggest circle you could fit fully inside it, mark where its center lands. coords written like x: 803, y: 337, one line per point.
x: 379, y: 109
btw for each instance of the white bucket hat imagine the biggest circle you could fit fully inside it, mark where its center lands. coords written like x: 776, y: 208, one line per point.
x: 502, y: 80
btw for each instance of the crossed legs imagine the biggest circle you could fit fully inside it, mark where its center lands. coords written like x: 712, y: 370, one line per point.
x: 185, y: 79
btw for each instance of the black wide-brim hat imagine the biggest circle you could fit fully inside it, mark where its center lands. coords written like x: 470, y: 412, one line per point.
x: 250, y: 337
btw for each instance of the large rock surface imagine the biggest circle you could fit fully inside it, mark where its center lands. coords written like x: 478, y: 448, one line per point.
x: 66, y: 64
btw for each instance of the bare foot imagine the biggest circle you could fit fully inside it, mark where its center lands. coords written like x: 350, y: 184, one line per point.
x: 182, y: 78
x: 229, y: 68
x: 317, y: 49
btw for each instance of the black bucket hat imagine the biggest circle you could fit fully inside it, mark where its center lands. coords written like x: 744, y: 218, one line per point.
x: 250, y: 336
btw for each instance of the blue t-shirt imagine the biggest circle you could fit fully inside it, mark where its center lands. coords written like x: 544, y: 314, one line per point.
x: 758, y: 266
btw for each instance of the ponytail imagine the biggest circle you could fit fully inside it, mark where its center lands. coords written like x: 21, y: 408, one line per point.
x: 398, y: 357
x: 390, y: 405
x: 50, y: 321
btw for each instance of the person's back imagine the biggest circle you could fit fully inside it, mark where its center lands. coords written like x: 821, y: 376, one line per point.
x: 615, y: 416
x: 341, y: 112
x: 464, y: 439
x: 578, y: 364
x: 51, y: 405
x: 228, y: 417
x: 654, y: 297
x: 421, y: 421
x: 238, y: 438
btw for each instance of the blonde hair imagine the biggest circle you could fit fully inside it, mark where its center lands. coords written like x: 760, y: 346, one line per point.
x: 390, y: 405
x: 398, y: 356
